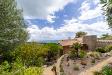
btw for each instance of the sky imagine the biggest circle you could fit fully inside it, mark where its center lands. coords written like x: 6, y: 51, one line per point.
x: 61, y: 19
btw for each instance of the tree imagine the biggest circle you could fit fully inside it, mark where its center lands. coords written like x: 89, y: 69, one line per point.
x: 54, y: 51
x: 76, y: 47
x: 31, y: 54
x: 107, y: 7
x: 106, y: 37
x: 12, y: 26
x: 80, y: 34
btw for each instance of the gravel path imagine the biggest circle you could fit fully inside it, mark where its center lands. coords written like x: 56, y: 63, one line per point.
x: 58, y: 64
x: 97, y: 67
x: 48, y: 71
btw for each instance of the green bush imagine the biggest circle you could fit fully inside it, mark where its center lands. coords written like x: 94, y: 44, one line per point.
x: 107, y: 70
x: 82, y: 54
x: 73, y: 54
x: 61, y: 68
x: 54, y: 50
x: 108, y: 48
x: 104, y: 49
x: 5, y: 66
x: 30, y: 54
x: 93, y: 61
x: 97, y: 73
x: 100, y: 49
x: 33, y: 71
x: 94, y: 54
x: 17, y: 68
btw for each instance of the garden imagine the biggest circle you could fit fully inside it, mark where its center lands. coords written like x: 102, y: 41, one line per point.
x: 18, y: 56
x: 77, y: 60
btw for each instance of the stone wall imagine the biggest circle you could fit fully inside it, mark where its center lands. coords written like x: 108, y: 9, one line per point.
x: 91, y: 41
x: 103, y: 43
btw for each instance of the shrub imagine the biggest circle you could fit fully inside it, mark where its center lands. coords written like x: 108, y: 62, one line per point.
x: 100, y: 49
x: 30, y: 54
x: 61, y: 68
x: 76, y: 67
x: 73, y: 54
x: 33, y: 71
x: 110, y: 52
x: 5, y: 66
x: 62, y: 73
x: 94, y: 54
x: 18, y: 69
x: 93, y: 61
x: 104, y: 49
x: 29, y: 71
x: 77, y: 46
x: 54, y: 50
x: 97, y: 73
x: 108, y: 48
x: 82, y: 54
x: 105, y: 71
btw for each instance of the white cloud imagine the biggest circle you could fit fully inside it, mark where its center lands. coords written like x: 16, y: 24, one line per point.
x: 42, y: 9
x: 71, y: 26
x: 96, y: 2
x: 87, y: 13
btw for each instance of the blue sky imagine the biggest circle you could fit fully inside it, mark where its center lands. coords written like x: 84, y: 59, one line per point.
x: 60, y: 19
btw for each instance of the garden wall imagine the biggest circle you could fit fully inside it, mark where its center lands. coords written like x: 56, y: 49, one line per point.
x: 103, y: 43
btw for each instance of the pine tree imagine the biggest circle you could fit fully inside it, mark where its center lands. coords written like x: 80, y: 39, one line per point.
x: 12, y: 26
x: 107, y: 7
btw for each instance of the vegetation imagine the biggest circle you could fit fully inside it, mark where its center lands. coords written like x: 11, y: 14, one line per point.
x: 18, y: 69
x: 105, y: 49
x: 107, y: 7
x: 80, y: 34
x: 76, y: 51
x: 108, y: 48
x: 18, y: 57
x: 106, y: 37
x: 53, y: 51
x: 30, y: 54
x: 93, y: 61
x: 76, y: 47
x: 76, y: 67
x: 73, y: 54
x: 28, y: 57
x: 101, y: 49
x: 12, y: 26
x: 94, y: 54
x: 107, y: 70
x: 82, y: 54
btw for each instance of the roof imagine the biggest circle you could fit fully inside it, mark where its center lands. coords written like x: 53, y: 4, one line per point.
x: 70, y: 42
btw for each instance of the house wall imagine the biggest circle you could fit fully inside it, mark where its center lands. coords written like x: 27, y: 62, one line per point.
x: 91, y: 41
x: 66, y: 49
x: 103, y: 43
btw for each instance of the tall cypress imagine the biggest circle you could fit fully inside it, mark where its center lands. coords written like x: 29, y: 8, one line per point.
x: 12, y: 25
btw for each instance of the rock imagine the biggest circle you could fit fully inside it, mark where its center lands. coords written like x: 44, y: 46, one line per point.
x: 83, y: 62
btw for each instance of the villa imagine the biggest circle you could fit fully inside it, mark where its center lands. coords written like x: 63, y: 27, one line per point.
x: 89, y: 42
